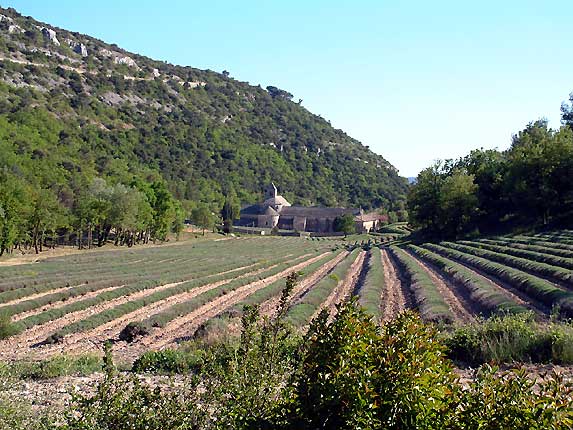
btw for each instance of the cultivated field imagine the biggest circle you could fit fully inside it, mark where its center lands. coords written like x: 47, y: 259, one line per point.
x: 75, y: 303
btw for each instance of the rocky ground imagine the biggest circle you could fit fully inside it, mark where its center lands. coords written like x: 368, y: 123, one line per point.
x: 56, y: 394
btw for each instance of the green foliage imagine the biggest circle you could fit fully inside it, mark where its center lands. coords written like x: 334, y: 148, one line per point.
x: 202, y: 217
x: 168, y: 361
x: 345, y: 374
x: 511, y: 338
x: 488, y: 190
x: 124, y: 402
x: 56, y: 366
x: 354, y: 377
x: 344, y: 224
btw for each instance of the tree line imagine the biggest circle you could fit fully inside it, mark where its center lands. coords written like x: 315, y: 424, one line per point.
x: 90, y: 215
x: 490, y: 191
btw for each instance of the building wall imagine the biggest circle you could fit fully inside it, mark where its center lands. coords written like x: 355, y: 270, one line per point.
x: 300, y: 224
x: 267, y: 221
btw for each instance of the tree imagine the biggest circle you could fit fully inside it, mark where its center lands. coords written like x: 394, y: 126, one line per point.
x: 12, y: 212
x: 344, y: 224
x: 458, y: 204
x: 231, y: 211
x: 202, y: 217
x: 537, y: 162
x: 45, y: 215
x: 424, y: 198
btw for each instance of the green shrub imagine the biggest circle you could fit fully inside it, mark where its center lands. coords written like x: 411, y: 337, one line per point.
x: 7, y: 329
x: 168, y: 361
x: 59, y: 365
x: 354, y: 377
x: 511, y: 338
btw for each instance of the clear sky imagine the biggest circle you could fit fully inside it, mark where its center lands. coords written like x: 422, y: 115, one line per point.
x: 414, y: 80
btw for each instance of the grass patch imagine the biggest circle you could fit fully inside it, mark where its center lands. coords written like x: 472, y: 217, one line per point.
x: 509, y: 339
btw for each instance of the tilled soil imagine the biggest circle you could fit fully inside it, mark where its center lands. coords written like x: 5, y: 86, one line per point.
x: 22, y: 344
x: 395, y: 295
x: 509, y: 291
x: 82, y: 342
x: 462, y: 309
x: 182, y: 328
x: 269, y: 307
x: 345, y: 287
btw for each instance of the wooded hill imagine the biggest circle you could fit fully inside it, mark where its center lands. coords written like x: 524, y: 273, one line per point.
x: 73, y: 108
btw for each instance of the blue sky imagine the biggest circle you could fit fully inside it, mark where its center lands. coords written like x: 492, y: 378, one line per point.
x: 414, y: 80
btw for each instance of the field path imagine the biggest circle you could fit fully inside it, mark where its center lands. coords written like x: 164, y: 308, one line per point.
x: 461, y: 307
x: 345, y: 286
x: 395, y: 295
x: 183, y: 327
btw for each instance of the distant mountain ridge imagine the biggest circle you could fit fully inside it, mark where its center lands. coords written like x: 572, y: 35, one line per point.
x: 73, y: 106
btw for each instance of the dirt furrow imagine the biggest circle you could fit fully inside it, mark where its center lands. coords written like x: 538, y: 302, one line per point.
x: 395, y: 297
x: 23, y: 342
x: 112, y: 329
x: 461, y: 307
x: 65, y: 302
x: 345, y: 286
x: 508, y: 290
x: 269, y: 307
x: 186, y: 325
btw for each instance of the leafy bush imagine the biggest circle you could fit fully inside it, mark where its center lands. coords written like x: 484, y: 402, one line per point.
x: 167, y: 361
x: 355, y: 375
x: 346, y: 374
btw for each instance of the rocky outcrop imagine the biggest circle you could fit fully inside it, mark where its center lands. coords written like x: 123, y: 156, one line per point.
x: 8, y: 23
x: 50, y: 34
x: 119, y: 58
x: 15, y: 29
x: 78, y: 48
x: 125, y: 60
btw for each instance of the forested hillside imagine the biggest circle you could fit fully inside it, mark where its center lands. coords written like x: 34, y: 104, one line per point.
x: 74, y: 109
x: 527, y: 186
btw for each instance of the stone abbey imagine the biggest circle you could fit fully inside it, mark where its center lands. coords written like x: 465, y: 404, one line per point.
x: 276, y: 211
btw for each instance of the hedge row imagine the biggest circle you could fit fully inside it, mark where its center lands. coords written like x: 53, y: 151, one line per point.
x: 428, y: 299
x: 370, y: 295
x: 540, y: 257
